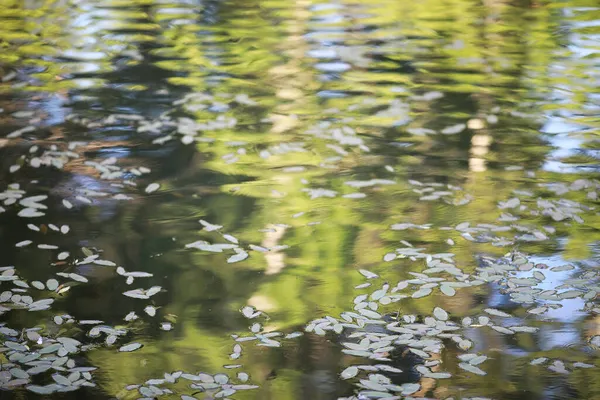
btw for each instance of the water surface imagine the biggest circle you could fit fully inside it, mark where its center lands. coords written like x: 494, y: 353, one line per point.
x: 240, y: 167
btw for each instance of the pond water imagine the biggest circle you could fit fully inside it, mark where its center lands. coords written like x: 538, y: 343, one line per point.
x: 349, y: 199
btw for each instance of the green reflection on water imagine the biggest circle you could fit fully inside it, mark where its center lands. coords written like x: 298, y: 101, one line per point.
x: 500, y: 59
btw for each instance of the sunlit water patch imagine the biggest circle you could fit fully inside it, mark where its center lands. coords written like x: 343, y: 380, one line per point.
x: 290, y: 200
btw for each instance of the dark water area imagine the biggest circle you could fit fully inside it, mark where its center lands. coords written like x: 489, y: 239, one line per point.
x: 299, y: 199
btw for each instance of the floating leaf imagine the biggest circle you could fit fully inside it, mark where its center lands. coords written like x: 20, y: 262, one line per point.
x: 132, y: 316
x: 210, y: 227
x: 131, y: 347
x: 498, y: 313
x: 440, y: 314
x: 410, y: 388
x: 30, y: 213
x: 153, y: 290
x: 389, y: 257
x: 52, y: 284
x: 48, y: 389
x: 559, y: 367
x: 250, y: 312
x: 230, y: 238
x: 368, y: 274
x: 153, y: 187
x: 38, y: 285
x: 477, y: 360
x: 150, y: 310
x: 538, y: 361
x: 471, y: 368
x: 447, y: 290
x: 439, y: 375
x: 349, y: 372
x: 582, y: 365
x: 240, y: 256
x: 502, y: 329
x: 136, y: 294
x: 421, y: 293
x: 78, y: 278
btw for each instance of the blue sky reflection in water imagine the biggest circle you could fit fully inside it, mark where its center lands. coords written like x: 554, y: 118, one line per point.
x: 299, y: 200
